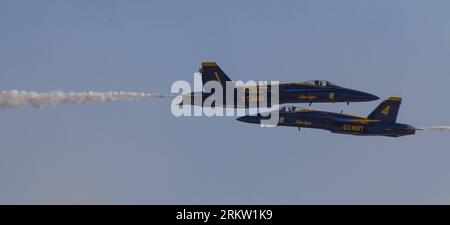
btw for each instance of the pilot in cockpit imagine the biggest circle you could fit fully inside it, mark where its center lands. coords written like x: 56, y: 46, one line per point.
x: 288, y: 108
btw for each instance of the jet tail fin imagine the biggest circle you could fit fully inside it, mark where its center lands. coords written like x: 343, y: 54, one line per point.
x: 387, y: 111
x: 212, y: 72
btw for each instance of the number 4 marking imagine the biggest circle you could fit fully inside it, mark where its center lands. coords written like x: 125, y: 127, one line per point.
x: 386, y: 110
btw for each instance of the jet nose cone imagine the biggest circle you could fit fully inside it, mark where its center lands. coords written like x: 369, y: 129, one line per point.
x: 250, y: 119
x: 364, y: 96
x: 371, y: 97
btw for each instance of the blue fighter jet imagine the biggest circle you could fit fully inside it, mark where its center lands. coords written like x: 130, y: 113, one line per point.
x: 381, y: 122
x: 318, y: 91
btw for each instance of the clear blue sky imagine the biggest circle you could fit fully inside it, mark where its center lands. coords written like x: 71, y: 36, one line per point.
x: 137, y: 152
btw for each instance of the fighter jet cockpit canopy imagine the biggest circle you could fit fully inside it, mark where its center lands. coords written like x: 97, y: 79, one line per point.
x: 322, y: 83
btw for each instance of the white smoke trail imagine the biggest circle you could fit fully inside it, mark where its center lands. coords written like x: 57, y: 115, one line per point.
x: 15, y: 99
x: 437, y: 128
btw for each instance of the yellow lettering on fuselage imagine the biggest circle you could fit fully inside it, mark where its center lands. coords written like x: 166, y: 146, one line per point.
x: 309, y: 97
x: 303, y: 122
x: 354, y: 128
